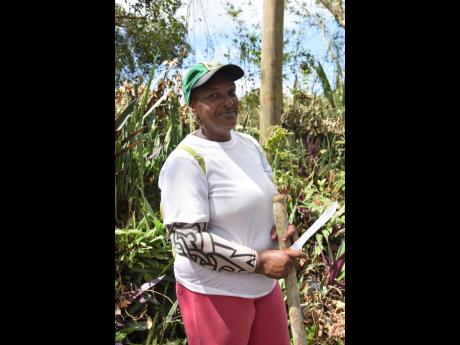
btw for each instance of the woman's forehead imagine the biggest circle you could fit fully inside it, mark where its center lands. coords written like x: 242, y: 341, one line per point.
x: 217, y: 84
x: 219, y: 80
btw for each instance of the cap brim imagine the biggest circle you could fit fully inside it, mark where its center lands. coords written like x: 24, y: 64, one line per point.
x: 232, y: 70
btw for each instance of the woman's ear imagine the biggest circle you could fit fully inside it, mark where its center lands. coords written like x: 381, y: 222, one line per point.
x: 195, y: 112
x: 197, y: 117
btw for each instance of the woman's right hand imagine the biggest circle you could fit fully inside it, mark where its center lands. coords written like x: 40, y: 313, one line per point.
x: 276, y: 263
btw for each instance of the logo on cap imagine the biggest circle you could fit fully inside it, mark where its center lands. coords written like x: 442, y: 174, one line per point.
x: 211, y: 65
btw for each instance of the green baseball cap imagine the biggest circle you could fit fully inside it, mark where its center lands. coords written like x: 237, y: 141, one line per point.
x: 200, y: 73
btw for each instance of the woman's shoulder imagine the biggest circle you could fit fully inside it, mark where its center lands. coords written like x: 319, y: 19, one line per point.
x: 244, y: 135
x: 182, y: 166
x: 185, y: 155
x: 248, y: 139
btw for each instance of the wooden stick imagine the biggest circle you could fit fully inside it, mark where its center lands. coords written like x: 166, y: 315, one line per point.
x: 292, y: 292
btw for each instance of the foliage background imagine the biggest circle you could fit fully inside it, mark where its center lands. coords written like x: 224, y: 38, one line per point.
x: 306, y: 152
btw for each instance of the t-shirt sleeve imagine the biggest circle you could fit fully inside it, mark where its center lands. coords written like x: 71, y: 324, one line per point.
x: 263, y: 157
x: 184, y: 191
x: 265, y: 164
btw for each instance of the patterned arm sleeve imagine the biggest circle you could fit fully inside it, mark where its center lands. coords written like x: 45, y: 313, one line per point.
x: 210, y: 251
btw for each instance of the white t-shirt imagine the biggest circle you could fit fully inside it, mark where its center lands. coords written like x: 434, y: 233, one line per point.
x: 234, y: 197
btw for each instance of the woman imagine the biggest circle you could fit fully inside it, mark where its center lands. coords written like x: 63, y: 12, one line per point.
x: 216, y: 196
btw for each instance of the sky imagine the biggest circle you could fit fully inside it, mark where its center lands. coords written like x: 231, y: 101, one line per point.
x: 219, y: 23
x: 208, y: 22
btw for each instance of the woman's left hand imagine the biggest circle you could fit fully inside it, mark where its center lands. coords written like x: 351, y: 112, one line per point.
x: 291, y: 232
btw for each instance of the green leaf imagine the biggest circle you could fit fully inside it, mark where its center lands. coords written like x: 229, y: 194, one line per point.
x: 311, y: 333
x: 341, y: 276
x: 120, y: 232
x: 319, y: 238
x: 135, y: 326
x: 123, y: 115
x: 157, y: 103
x: 341, y: 249
x: 171, y: 312
x: 147, y: 88
x: 147, y: 206
x: 324, y: 82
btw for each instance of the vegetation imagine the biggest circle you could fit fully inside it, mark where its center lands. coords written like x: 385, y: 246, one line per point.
x: 146, y: 26
x: 307, y: 155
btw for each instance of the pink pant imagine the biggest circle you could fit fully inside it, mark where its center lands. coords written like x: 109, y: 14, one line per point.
x: 226, y: 320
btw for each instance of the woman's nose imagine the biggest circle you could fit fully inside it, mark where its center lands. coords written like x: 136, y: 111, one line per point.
x: 229, y: 100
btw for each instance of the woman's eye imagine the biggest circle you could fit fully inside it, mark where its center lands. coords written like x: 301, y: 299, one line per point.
x: 212, y: 96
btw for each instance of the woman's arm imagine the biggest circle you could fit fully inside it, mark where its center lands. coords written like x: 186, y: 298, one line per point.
x: 216, y: 253
x: 209, y: 250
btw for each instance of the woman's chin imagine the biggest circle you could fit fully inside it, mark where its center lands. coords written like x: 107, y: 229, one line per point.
x: 229, y: 124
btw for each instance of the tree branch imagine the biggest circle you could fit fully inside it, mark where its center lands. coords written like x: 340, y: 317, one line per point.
x: 336, y: 9
x: 130, y: 17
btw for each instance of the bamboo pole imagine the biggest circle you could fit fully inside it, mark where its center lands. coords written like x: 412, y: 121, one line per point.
x: 271, y: 92
x: 292, y: 292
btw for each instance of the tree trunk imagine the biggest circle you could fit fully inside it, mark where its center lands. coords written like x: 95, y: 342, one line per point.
x: 271, y: 86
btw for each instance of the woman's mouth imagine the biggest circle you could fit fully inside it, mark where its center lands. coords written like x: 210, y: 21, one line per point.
x: 229, y: 114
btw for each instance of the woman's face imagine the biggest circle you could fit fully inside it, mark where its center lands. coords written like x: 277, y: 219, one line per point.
x: 215, y: 105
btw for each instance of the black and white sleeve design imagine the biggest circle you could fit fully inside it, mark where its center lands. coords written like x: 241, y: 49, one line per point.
x: 209, y: 250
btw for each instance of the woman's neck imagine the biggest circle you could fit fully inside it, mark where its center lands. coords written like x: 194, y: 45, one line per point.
x: 203, y: 133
